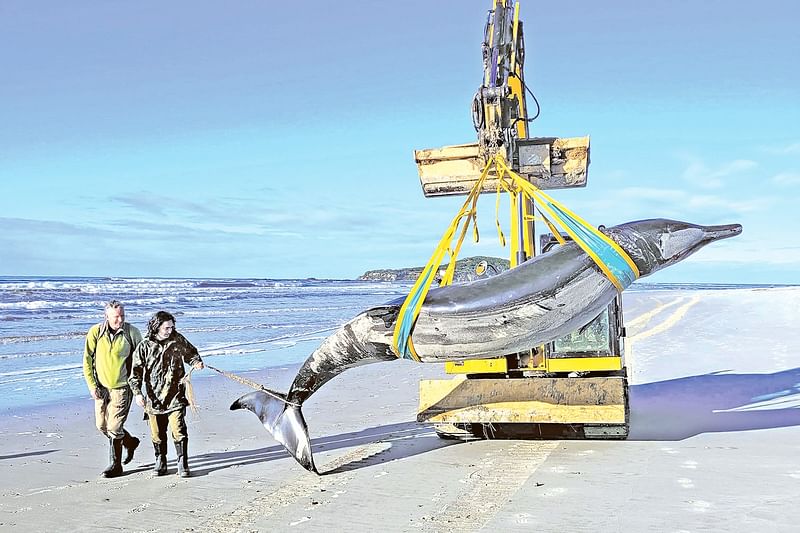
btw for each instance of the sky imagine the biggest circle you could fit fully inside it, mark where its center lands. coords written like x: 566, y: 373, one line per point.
x: 275, y: 139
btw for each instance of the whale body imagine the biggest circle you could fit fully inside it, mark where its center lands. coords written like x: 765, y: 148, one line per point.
x: 537, y: 302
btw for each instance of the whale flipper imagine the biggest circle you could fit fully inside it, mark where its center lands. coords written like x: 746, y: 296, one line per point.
x: 284, y: 421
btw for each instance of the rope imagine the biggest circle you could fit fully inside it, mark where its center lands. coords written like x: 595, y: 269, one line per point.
x: 189, y: 392
x: 252, y: 384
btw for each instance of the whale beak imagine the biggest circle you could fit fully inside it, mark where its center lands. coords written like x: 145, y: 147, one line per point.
x: 724, y: 231
x: 678, y: 240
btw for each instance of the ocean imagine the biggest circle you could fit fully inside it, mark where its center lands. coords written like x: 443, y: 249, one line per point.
x: 237, y: 324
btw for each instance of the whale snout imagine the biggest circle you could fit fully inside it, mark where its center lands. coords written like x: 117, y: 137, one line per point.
x: 716, y: 233
x: 657, y: 243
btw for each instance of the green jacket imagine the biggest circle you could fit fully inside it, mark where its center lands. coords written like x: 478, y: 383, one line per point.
x: 159, y: 365
x: 107, y: 356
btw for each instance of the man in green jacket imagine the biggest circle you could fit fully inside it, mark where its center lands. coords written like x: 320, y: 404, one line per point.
x: 158, y: 364
x: 106, y: 365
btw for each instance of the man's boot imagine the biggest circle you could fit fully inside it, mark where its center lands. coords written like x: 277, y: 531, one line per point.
x: 115, y: 458
x: 182, y: 449
x: 160, y: 448
x: 130, y: 443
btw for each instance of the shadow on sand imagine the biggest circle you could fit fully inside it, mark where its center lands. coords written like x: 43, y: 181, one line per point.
x: 665, y: 410
x: 680, y: 408
x: 26, y: 454
x: 397, y: 436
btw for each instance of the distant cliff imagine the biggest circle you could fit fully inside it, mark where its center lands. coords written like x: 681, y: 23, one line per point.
x: 465, y: 270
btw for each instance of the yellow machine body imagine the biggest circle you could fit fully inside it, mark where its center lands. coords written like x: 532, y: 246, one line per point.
x: 547, y: 364
x: 577, y: 381
x: 543, y: 400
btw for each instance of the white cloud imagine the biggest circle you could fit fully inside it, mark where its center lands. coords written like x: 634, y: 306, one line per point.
x: 756, y: 254
x: 699, y: 174
x: 683, y: 200
x: 787, y: 149
x: 786, y: 178
x: 709, y: 202
x: 652, y: 193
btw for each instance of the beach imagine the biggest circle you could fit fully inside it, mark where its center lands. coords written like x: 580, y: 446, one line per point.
x: 713, y: 446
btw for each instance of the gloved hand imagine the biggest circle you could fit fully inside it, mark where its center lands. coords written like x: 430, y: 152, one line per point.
x: 99, y: 393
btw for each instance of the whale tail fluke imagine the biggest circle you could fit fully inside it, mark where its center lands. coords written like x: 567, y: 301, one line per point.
x: 284, y: 421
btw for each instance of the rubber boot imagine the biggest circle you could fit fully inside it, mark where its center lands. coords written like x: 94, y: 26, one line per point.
x: 130, y: 443
x: 182, y: 449
x: 115, y: 458
x: 160, y: 468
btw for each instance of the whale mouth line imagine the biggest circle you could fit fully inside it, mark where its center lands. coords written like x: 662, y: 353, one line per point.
x: 725, y: 231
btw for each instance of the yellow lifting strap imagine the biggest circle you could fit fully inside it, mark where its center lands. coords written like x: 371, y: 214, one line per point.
x: 615, y: 264
x: 612, y: 260
x: 401, y: 341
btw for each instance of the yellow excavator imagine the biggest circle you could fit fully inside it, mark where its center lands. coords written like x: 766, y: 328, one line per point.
x: 575, y: 386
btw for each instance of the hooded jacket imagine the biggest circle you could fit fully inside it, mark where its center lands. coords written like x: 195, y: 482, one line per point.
x: 159, y: 366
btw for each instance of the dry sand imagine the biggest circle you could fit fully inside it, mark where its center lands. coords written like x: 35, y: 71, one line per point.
x: 714, y: 446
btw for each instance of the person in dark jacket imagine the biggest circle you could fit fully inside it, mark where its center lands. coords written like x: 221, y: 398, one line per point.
x: 158, y: 363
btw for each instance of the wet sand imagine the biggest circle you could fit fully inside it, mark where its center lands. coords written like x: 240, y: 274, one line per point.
x: 714, y: 446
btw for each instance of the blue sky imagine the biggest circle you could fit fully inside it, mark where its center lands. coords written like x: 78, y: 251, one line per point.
x: 275, y: 139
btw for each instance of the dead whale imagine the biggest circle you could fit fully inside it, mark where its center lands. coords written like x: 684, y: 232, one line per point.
x: 537, y: 302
